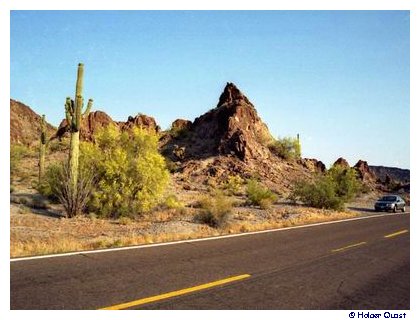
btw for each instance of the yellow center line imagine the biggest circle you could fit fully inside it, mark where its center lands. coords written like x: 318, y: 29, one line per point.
x: 175, y: 293
x: 349, y: 246
x: 396, y: 233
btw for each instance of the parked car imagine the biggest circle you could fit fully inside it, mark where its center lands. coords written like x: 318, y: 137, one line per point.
x: 390, y: 203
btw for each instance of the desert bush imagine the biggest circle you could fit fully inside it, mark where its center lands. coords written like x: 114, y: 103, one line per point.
x: 286, y: 148
x: 329, y: 191
x: 215, y: 210
x: 347, y: 183
x: 50, y: 183
x: 131, y: 174
x: 179, y: 133
x: 172, y: 202
x: 58, y: 145
x: 17, y: 153
x: 233, y: 185
x: 259, y: 195
x: 318, y: 194
x: 73, y: 198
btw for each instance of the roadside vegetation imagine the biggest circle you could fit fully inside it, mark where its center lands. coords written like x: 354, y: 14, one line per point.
x: 331, y: 190
x: 287, y: 148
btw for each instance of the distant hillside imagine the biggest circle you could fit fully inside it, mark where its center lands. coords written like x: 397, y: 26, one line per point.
x: 25, y: 126
x: 397, y: 174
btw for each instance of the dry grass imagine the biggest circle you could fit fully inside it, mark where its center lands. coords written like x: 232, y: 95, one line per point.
x: 33, y: 234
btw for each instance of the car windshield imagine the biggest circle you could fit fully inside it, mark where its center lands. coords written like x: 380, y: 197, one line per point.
x: 388, y: 198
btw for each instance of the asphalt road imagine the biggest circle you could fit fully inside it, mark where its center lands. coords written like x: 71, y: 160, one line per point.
x: 346, y: 265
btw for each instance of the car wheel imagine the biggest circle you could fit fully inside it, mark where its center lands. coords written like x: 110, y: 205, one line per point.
x: 395, y: 208
x: 403, y: 209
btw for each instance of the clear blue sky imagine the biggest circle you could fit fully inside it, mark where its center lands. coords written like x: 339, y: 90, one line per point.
x: 339, y: 78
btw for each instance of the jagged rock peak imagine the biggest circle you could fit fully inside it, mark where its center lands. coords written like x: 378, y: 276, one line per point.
x: 232, y: 95
x: 364, y: 171
x: 232, y: 128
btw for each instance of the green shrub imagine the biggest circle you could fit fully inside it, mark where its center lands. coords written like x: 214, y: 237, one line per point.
x: 17, y: 153
x: 215, y: 210
x: 233, y: 184
x: 259, y: 195
x: 131, y: 174
x: 51, y: 181
x: 329, y: 191
x: 179, y: 133
x: 286, y: 148
x: 172, y: 202
x: 58, y: 145
x: 347, y: 183
x: 318, y: 194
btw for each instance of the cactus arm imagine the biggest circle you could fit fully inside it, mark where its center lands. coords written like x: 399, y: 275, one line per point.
x: 43, y: 131
x: 88, y: 107
x: 77, y: 114
x: 69, y: 111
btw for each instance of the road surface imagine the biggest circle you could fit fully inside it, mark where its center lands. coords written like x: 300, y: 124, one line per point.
x: 358, y: 264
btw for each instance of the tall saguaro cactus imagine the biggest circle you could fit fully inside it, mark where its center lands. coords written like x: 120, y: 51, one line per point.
x: 42, y: 148
x: 74, y: 117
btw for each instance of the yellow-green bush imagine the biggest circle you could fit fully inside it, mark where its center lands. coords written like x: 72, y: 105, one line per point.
x: 215, y: 210
x: 287, y: 148
x: 172, y: 202
x: 233, y: 184
x: 131, y: 174
x: 329, y: 191
x: 259, y: 195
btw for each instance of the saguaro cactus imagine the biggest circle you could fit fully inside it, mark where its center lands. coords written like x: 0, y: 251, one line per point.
x: 42, y: 148
x: 74, y: 117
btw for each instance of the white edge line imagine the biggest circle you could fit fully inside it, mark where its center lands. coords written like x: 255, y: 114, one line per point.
x: 143, y: 246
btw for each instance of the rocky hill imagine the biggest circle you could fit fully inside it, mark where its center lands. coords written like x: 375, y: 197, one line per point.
x: 231, y: 139
x: 25, y: 125
x: 396, y: 174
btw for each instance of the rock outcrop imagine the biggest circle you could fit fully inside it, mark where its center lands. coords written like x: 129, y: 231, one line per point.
x: 140, y: 120
x: 232, y: 128
x: 181, y: 124
x: 364, y: 172
x: 90, y: 125
x: 313, y: 165
x: 99, y: 119
x: 397, y: 174
x: 25, y: 125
